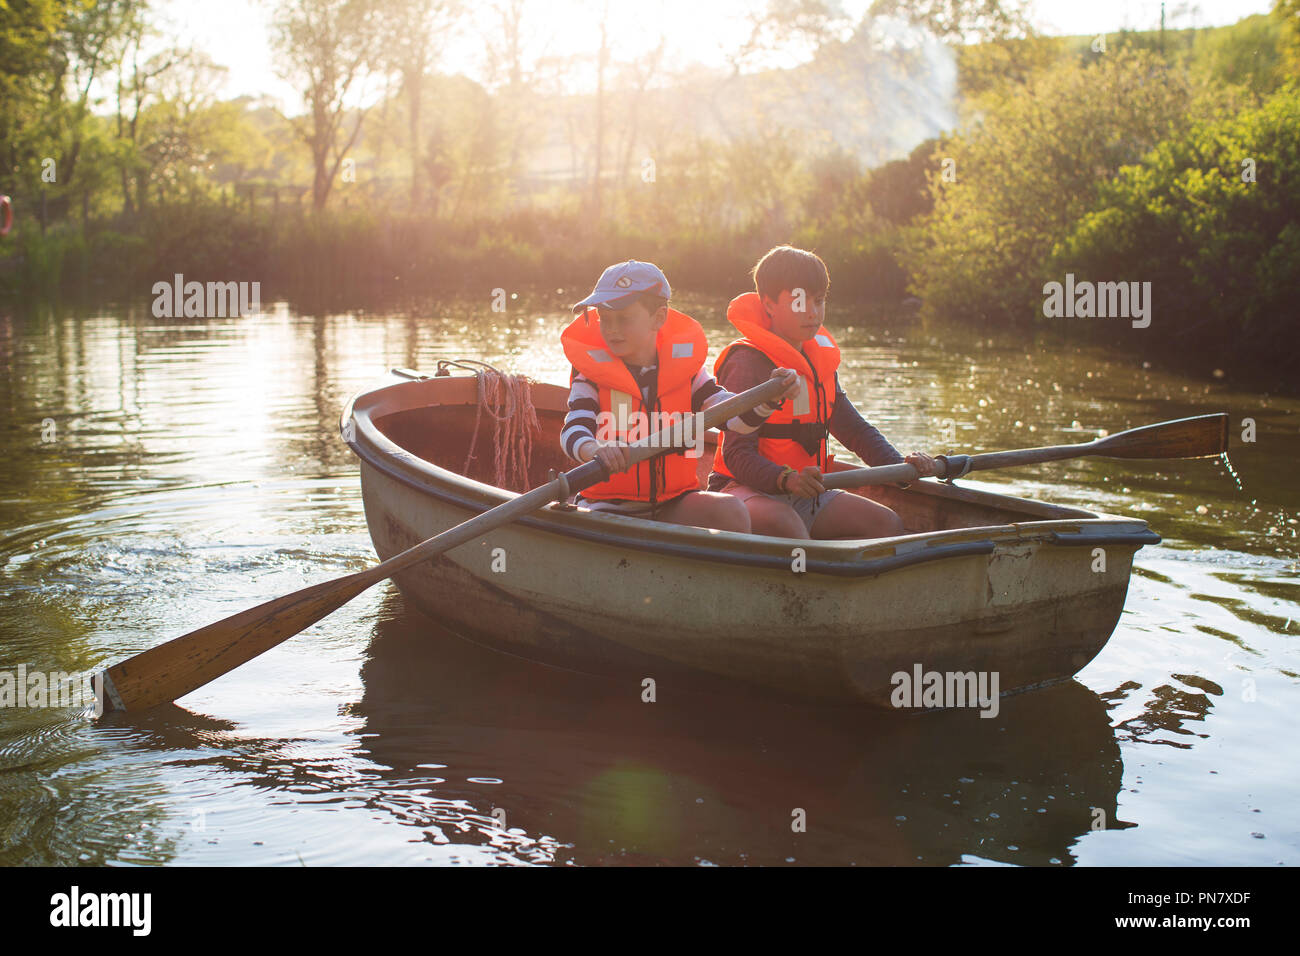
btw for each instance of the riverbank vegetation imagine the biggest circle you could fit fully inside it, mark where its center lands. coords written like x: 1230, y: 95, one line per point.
x: 940, y: 157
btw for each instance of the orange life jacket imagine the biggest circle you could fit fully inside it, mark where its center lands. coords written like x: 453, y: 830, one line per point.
x: 682, y: 349
x: 794, y: 434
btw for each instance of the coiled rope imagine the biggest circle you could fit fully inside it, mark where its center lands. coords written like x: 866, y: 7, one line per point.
x: 508, y: 401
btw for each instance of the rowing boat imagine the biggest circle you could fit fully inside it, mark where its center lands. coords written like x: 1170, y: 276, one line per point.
x: 978, y: 583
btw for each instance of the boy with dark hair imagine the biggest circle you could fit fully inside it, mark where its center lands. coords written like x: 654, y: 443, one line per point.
x: 776, y: 470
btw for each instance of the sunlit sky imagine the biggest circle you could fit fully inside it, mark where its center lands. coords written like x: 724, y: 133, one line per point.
x: 235, y: 33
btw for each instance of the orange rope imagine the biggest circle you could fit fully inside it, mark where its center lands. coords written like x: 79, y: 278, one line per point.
x: 508, y: 399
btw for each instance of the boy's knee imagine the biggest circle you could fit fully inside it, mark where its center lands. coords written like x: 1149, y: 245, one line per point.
x: 732, y: 515
x: 891, y: 523
x: 879, y: 522
x: 779, y: 520
x: 793, y: 526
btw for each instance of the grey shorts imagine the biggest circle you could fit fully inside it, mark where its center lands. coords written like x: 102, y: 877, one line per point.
x: 805, y: 508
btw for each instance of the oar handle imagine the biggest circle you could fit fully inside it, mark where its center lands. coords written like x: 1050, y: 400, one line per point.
x: 1196, y: 437
x: 668, y: 439
x: 949, y: 466
x: 862, y: 477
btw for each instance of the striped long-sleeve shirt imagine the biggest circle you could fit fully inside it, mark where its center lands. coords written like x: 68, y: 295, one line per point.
x: 580, y: 424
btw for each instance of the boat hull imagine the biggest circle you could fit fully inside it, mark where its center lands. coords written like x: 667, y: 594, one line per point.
x: 1024, y: 600
x: 604, y: 608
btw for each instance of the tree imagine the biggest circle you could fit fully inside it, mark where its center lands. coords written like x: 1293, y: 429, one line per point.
x: 1211, y: 217
x: 136, y: 84
x: 415, y: 32
x: 985, y: 66
x: 638, y: 76
x: 185, y: 131
x: 1245, y: 53
x: 961, y: 21
x: 899, y: 191
x: 786, y: 25
x: 515, y: 48
x: 1007, y: 190
x: 1287, y: 15
x: 327, y: 48
x: 85, y: 48
x: 28, y: 33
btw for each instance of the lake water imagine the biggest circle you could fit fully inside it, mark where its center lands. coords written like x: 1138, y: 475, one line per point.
x: 162, y: 474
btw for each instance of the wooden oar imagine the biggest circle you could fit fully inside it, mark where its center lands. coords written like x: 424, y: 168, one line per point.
x: 1196, y: 437
x: 171, y: 670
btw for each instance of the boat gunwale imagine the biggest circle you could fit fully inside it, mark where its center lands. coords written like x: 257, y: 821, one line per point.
x: 854, y: 558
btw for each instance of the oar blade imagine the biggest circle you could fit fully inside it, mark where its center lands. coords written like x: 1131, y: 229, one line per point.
x: 175, y: 668
x: 1197, y: 437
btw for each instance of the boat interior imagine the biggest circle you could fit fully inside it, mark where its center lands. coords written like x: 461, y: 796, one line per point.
x: 441, y: 421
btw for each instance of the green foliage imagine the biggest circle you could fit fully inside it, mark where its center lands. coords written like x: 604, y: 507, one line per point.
x: 49, y: 259
x: 1286, y: 14
x: 983, y: 67
x: 1244, y: 54
x: 863, y: 262
x: 899, y: 191
x: 962, y: 21
x: 1248, y: 53
x: 1223, y: 254
x: 1028, y: 171
x: 27, y: 31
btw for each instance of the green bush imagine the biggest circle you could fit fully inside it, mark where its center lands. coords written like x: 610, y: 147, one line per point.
x: 48, y: 261
x: 1223, y: 254
x: 1019, y: 180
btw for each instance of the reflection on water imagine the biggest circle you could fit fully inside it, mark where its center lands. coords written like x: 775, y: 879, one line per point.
x: 159, y: 476
x: 719, y: 779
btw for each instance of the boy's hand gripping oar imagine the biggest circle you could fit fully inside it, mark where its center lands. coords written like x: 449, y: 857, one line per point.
x: 1196, y: 437
x: 171, y: 670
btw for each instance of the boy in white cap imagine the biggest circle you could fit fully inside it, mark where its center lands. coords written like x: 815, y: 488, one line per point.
x: 637, y: 364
